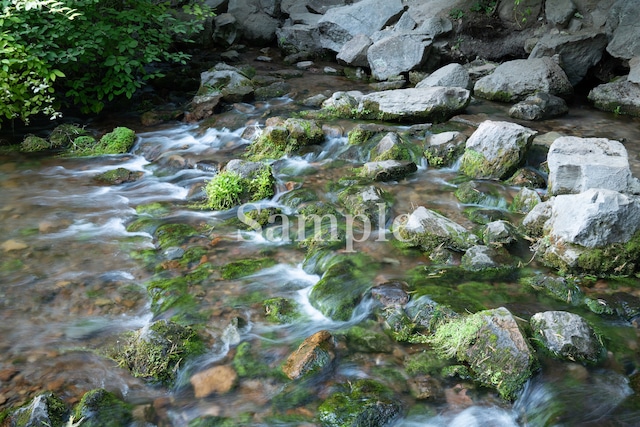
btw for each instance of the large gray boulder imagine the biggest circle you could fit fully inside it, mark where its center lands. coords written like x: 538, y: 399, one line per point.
x: 578, y: 52
x: 220, y: 83
x: 624, y: 23
x: 397, y: 54
x: 257, y: 19
x: 578, y: 164
x: 594, y: 218
x: 450, y: 75
x: 340, y: 24
x: 620, y: 97
x: 634, y: 70
x: 495, y: 149
x: 354, y: 52
x: 299, y: 37
x: 592, y: 232
x: 513, y: 81
x: 415, y: 104
x: 559, y: 12
x: 567, y: 336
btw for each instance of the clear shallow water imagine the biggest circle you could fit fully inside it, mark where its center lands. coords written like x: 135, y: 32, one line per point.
x: 69, y: 283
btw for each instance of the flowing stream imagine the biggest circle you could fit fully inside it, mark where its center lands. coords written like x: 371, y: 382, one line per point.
x: 69, y: 283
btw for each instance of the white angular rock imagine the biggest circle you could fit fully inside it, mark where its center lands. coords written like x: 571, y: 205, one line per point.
x: 449, y: 75
x: 577, y: 164
x: 397, y: 54
x: 594, y: 218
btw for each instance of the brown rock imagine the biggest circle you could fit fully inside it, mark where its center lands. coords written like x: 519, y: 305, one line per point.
x: 219, y: 379
x: 314, y: 354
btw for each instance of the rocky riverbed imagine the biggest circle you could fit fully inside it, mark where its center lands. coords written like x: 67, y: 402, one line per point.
x: 309, y: 245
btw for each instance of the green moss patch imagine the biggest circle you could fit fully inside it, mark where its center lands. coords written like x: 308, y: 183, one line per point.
x: 246, y: 267
x: 228, y: 189
x: 101, y: 408
x: 157, y: 352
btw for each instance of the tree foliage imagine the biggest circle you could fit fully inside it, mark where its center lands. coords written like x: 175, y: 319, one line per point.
x: 85, y: 52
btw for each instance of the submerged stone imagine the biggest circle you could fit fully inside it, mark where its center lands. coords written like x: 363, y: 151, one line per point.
x: 342, y: 286
x: 363, y: 403
x: 119, y: 176
x: 246, y: 267
x: 101, y: 408
x: 218, y: 379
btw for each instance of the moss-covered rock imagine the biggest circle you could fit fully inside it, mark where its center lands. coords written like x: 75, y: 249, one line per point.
x: 362, y: 403
x: 485, y: 194
x: 119, y: 141
x: 415, y: 322
x: 248, y: 362
x: 172, y: 294
x: 64, y: 135
x: 366, y: 339
x: 443, y: 149
x: 156, y: 352
x: 246, y: 267
x: 44, y: 410
x: 281, y: 310
x: 233, y: 187
x: 118, y: 176
x: 495, y: 150
x: 525, y: 200
x: 342, y: 286
x: 493, y: 345
x: 369, y: 202
x: 360, y: 134
x: 567, y: 336
x: 324, y: 226
x: 285, y: 138
x: 32, y: 144
x: 562, y: 289
x: 101, y: 408
x: 174, y: 234
x: 428, y: 230
x: 391, y: 147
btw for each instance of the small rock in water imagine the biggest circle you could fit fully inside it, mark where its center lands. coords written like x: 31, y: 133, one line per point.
x: 331, y: 71
x: 219, y: 379
x: 13, y: 245
x: 304, y: 65
x: 263, y: 58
